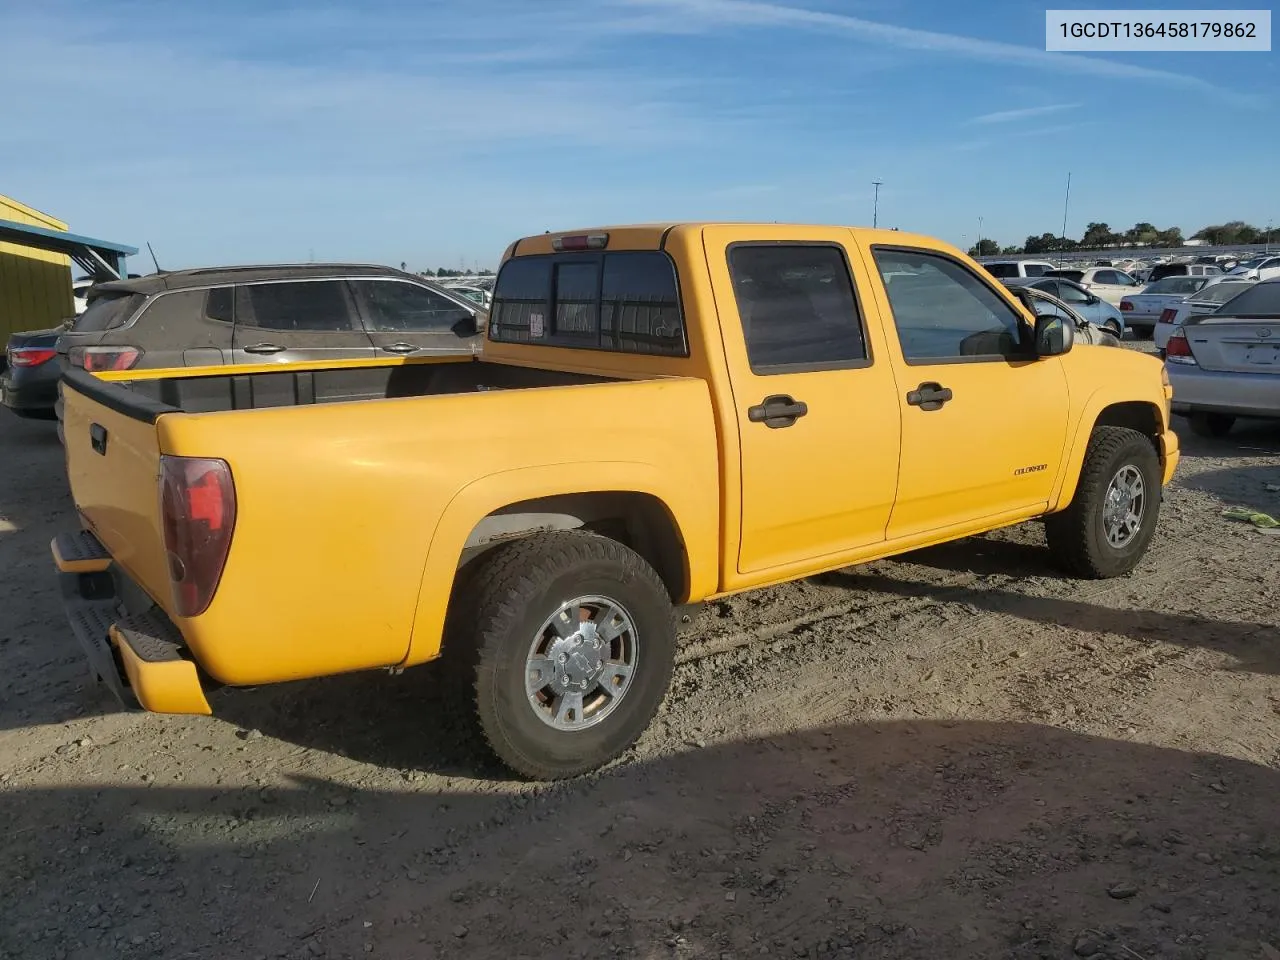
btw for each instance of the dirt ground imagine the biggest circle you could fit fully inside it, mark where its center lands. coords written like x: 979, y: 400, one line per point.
x: 956, y: 754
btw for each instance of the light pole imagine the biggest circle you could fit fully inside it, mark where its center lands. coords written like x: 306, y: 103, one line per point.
x: 979, y: 246
x: 1066, y: 199
x: 875, y: 209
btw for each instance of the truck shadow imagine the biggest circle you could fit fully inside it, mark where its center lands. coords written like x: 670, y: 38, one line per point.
x: 897, y: 840
x: 1242, y: 487
x: 1254, y: 646
x: 1247, y: 438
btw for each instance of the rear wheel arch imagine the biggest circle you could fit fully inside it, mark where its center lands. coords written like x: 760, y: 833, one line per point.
x: 629, y: 501
x: 637, y: 520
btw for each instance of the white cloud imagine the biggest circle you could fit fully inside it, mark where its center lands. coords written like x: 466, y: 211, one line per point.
x: 1007, y: 116
x: 750, y: 13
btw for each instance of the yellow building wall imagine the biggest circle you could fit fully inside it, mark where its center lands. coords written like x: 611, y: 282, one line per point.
x: 35, y: 285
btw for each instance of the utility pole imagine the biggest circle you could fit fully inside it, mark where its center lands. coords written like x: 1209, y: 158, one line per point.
x: 1065, y: 200
x: 875, y: 209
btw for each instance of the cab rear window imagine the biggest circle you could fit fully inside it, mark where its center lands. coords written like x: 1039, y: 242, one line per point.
x: 627, y: 301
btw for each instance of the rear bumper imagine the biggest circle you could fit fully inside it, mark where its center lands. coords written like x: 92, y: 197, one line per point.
x: 140, y: 656
x: 1196, y: 390
x: 34, y: 398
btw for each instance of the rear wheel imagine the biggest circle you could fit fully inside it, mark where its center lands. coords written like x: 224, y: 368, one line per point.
x: 1215, y: 425
x: 572, y: 640
x: 1107, y: 528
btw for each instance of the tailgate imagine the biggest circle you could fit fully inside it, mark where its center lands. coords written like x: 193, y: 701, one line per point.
x: 113, y: 465
x: 1235, y: 345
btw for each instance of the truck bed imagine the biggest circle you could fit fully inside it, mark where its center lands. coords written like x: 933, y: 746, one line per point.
x: 211, y: 390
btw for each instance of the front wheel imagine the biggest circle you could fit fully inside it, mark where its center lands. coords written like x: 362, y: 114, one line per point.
x: 1113, y: 327
x: 1111, y: 519
x: 573, y: 642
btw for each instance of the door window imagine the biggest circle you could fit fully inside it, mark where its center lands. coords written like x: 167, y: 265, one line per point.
x: 797, y: 306
x: 296, y: 306
x: 1070, y: 294
x: 1106, y: 276
x: 943, y: 312
x: 397, y: 306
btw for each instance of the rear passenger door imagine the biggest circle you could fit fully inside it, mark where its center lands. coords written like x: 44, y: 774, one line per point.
x: 295, y: 320
x: 813, y: 392
x: 407, y: 319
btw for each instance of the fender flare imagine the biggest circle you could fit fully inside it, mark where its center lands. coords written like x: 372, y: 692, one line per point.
x: 1073, y: 462
x: 481, y: 497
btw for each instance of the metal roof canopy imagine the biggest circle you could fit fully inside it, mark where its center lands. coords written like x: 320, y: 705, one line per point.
x: 101, y: 259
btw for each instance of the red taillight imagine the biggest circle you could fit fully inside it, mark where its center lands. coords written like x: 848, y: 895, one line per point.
x: 198, y: 511
x: 585, y: 241
x: 30, y: 356
x: 1126, y: 305
x: 95, y: 359
x: 1167, y: 314
x: 1178, y: 350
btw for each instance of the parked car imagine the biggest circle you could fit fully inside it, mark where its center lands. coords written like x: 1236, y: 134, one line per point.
x: 1215, y: 293
x: 1162, y: 270
x: 29, y: 380
x: 1105, y: 282
x: 1258, y: 268
x: 1142, y: 310
x: 1226, y: 364
x: 1091, y: 308
x: 267, y: 314
x: 615, y: 479
x: 474, y: 294
x: 1007, y: 269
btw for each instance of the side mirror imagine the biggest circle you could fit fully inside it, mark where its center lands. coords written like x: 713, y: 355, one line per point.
x: 468, y: 326
x: 1054, y: 335
x: 1093, y: 301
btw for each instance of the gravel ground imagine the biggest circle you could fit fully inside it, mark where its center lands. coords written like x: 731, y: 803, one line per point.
x: 955, y: 754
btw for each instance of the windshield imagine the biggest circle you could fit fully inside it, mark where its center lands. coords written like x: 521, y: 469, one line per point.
x: 1221, y: 292
x: 1002, y: 270
x: 1182, y: 285
x: 1260, y: 300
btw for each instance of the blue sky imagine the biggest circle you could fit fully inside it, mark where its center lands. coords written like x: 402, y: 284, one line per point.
x: 436, y: 132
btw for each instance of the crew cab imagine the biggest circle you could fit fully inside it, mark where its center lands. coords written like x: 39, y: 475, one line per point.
x: 660, y: 415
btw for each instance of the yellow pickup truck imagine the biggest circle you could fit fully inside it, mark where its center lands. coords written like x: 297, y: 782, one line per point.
x: 661, y: 415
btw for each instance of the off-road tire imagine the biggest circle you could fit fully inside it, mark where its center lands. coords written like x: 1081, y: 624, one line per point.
x: 1214, y: 425
x: 1076, y: 535
x: 506, y: 597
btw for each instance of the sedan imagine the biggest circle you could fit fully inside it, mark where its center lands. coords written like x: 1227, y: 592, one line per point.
x: 1215, y: 293
x: 1104, y: 282
x: 1093, y: 308
x: 1227, y: 364
x: 1142, y: 310
x: 1266, y: 267
x: 29, y: 384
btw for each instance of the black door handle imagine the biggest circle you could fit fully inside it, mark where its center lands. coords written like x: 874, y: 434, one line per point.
x: 777, y: 411
x: 400, y: 347
x: 263, y: 348
x: 929, y: 396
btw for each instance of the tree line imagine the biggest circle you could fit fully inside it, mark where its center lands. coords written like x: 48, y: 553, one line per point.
x: 1100, y: 236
